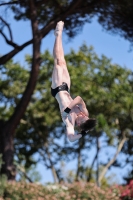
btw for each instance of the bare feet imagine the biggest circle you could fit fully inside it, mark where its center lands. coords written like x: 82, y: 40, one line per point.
x: 59, y: 28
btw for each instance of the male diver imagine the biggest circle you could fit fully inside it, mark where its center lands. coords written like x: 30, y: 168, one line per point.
x: 73, y: 111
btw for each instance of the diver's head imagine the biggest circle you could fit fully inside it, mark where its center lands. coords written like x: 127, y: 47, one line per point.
x: 84, y: 123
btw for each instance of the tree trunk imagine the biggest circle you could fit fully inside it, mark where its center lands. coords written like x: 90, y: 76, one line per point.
x: 55, y: 175
x: 81, y: 144
x: 124, y: 139
x: 8, y: 129
x: 97, y: 171
x: 47, y: 155
x: 7, y: 152
x: 78, y: 165
x: 93, y: 162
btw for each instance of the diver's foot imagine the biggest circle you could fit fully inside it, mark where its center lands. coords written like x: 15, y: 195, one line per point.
x: 59, y: 28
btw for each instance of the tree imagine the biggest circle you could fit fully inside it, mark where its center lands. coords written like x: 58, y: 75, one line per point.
x: 8, y: 128
x: 109, y: 98
x: 43, y: 16
x: 116, y: 17
x: 36, y: 125
x: 106, y: 89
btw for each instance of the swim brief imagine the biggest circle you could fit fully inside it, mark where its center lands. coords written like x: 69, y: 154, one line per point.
x: 62, y: 87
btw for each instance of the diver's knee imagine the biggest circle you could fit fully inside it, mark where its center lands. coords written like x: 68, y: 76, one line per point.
x: 61, y: 61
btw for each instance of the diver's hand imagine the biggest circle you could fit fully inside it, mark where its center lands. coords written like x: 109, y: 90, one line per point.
x: 64, y: 115
x: 67, y: 122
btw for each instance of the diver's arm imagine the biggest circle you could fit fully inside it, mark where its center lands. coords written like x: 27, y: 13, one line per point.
x: 70, y: 131
x: 77, y: 101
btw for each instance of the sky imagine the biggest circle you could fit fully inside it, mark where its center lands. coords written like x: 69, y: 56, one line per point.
x: 112, y: 46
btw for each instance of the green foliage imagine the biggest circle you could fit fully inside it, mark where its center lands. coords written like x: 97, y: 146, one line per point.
x: 85, y: 172
x: 1, y: 162
x: 3, y: 184
x: 75, y: 14
x: 51, y: 10
x: 12, y: 85
x: 3, y: 180
x: 30, y: 174
x: 117, y: 24
x: 106, y: 89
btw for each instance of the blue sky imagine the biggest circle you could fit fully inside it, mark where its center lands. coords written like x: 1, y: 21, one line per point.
x: 112, y: 46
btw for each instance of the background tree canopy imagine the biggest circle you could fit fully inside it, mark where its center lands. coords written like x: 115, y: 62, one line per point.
x: 115, y: 16
x: 107, y: 91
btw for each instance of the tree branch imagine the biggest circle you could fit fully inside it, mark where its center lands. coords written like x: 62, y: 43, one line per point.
x: 79, y: 159
x: 51, y: 25
x: 113, y: 159
x: 95, y: 157
x: 41, y: 2
x: 91, y: 4
x: 9, y: 3
x: 8, y: 56
x: 10, y: 32
x: 8, y: 41
x: 43, y: 32
x: 75, y: 5
x: 21, y: 169
x: 55, y: 175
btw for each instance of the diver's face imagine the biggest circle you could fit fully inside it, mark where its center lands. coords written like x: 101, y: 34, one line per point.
x: 81, y: 119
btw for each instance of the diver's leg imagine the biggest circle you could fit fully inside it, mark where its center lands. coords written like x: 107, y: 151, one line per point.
x: 60, y: 72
